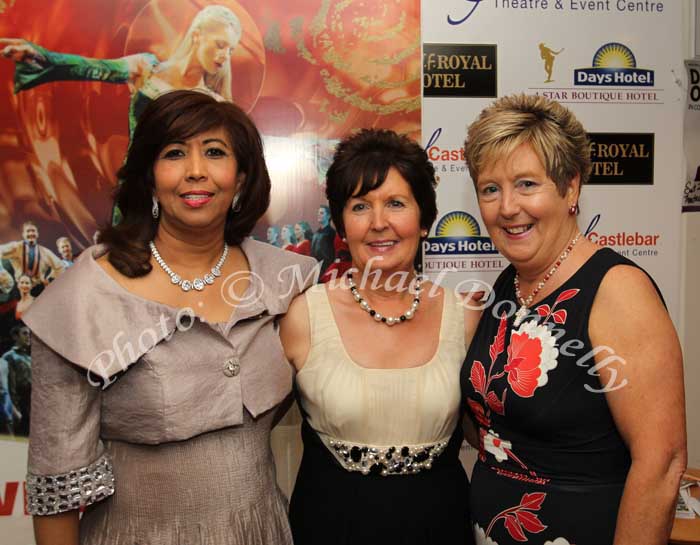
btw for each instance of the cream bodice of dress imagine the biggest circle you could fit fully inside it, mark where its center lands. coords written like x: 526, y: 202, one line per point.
x: 346, y: 402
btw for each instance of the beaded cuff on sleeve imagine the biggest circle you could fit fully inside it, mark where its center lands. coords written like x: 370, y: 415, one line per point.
x: 53, y: 494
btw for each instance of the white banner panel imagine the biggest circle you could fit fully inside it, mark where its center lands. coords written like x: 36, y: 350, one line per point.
x: 616, y: 64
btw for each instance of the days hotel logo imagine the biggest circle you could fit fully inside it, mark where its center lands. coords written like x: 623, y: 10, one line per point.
x: 458, y: 246
x: 613, y: 78
x: 458, y: 233
x: 614, y: 65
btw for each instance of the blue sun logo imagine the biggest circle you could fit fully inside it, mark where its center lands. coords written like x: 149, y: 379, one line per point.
x: 457, y: 224
x: 614, y: 55
x: 614, y: 65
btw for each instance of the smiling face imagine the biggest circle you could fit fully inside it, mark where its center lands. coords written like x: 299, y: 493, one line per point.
x: 384, y: 224
x: 196, y: 180
x: 24, y: 284
x: 526, y: 217
x: 30, y: 233
x: 64, y: 248
x: 215, y: 43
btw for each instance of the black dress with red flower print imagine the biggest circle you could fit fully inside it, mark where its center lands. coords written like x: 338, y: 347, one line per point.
x: 552, y: 465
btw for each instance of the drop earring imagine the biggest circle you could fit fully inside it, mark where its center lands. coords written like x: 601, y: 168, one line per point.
x: 235, y: 204
x: 155, y: 210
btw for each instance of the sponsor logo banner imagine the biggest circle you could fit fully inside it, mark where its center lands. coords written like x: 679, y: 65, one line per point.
x: 458, y: 246
x: 613, y: 78
x: 622, y: 158
x: 614, y: 65
x: 459, y: 70
x: 445, y: 159
x: 627, y: 243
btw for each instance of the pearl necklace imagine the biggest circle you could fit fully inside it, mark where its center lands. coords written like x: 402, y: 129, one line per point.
x: 197, y: 283
x: 388, y: 320
x: 525, y: 303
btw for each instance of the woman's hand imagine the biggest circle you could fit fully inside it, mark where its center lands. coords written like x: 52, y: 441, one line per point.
x: 638, y: 358
x: 61, y: 529
x: 21, y: 51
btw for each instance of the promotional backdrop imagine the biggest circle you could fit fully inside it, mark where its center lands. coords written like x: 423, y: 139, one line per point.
x: 617, y: 64
x: 74, y: 78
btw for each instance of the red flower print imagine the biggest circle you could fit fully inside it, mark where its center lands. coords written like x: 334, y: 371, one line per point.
x: 520, y: 518
x: 559, y: 316
x: 495, y: 404
x: 566, y: 295
x: 478, y: 377
x: 531, y: 354
x: 543, y: 310
x: 523, y: 364
x: 478, y: 411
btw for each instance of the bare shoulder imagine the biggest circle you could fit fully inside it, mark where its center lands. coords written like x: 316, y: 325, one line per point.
x: 297, y: 312
x: 629, y: 290
x: 295, y: 331
x: 629, y: 316
x: 472, y: 304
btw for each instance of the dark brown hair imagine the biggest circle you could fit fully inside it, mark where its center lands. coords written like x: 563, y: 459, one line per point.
x: 180, y: 115
x: 364, y: 159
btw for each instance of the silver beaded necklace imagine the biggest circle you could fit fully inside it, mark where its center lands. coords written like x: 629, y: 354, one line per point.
x: 388, y: 320
x: 197, y: 283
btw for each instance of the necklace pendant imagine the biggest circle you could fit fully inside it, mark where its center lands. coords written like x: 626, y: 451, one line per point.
x: 520, y: 316
x: 186, y: 285
x: 209, y: 278
x: 175, y: 279
x: 198, y: 284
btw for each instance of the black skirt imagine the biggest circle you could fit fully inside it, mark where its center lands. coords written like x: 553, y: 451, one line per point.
x: 331, y: 505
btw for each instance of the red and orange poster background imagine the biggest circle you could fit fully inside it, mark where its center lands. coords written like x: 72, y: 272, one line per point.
x: 307, y: 71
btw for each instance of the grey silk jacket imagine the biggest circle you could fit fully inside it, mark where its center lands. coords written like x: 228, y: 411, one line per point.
x: 110, y: 365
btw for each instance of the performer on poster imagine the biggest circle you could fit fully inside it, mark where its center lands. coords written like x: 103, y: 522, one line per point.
x: 557, y: 388
x: 65, y: 250
x: 146, y: 381
x: 322, y: 243
x: 24, y: 285
x: 28, y: 257
x: 201, y: 61
x: 378, y: 365
x: 289, y: 241
x: 19, y: 366
x: 303, y: 234
x: 273, y: 236
x: 8, y: 412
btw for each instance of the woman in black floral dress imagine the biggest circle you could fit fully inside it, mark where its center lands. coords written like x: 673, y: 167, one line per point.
x: 574, y: 377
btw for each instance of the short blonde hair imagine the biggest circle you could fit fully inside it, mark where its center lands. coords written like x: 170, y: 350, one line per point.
x: 556, y: 136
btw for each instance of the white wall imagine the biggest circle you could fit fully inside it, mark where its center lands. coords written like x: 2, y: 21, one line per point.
x: 690, y: 291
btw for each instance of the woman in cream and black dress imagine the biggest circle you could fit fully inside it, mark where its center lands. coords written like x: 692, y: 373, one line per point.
x: 377, y: 361
x: 157, y: 368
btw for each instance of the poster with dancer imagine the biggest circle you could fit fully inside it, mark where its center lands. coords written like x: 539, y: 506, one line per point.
x: 76, y: 74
